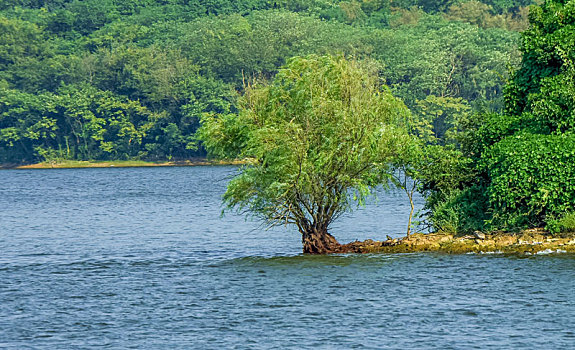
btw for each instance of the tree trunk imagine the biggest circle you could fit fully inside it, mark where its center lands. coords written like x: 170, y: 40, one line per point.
x: 319, y: 241
x: 410, y: 195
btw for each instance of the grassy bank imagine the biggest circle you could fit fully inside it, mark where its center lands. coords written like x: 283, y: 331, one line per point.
x: 117, y: 163
x: 526, y: 242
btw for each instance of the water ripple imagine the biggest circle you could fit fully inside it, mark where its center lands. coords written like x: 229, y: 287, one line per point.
x: 141, y: 259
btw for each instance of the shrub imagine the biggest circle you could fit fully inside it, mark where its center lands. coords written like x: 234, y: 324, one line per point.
x: 463, y: 211
x: 563, y: 224
x: 532, y: 178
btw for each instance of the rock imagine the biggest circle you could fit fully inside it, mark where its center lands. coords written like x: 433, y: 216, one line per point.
x: 479, y: 235
x: 389, y: 238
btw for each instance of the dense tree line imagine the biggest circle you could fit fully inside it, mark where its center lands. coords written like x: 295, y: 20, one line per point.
x: 131, y: 79
x: 516, y: 169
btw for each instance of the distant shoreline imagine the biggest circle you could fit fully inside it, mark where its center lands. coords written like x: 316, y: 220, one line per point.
x: 74, y: 164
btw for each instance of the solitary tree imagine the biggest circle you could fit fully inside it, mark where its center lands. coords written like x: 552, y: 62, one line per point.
x: 319, y: 138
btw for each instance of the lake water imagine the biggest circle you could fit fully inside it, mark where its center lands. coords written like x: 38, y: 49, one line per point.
x: 139, y: 258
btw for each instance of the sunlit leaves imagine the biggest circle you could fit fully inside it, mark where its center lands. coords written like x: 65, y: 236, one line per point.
x: 323, y: 129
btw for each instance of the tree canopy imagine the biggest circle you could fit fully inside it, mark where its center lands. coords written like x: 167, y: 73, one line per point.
x: 320, y: 137
x: 180, y: 59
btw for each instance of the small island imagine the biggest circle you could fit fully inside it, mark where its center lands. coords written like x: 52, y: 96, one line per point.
x: 325, y: 134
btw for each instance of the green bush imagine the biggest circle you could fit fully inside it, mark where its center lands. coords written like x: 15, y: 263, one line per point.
x: 564, y: 224
x: 463, y: 211
x: 532, y: 179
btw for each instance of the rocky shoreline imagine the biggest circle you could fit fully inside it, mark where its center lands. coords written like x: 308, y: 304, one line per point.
x: 526, y: 242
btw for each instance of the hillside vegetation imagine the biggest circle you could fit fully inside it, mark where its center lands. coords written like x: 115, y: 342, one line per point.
x: 130, y: 79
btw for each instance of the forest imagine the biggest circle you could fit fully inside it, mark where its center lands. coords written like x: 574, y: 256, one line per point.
x: 488, y: 87
x: 131, y: 79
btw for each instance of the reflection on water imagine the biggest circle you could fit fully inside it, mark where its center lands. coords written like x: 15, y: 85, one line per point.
x: 140, y: 258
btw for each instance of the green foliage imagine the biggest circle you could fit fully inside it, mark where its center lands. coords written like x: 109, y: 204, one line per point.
x: 446, y: 59
x: 135, y: 79
x: 440, y: 119
x: 462, y: 211
x: 564, y: 224
x: 483, y: 15
x: 182, y: 59
x: 547, y: 58
x: 454, y: 190
x: 474, y: 12
x: 79, y: 122
x: 523, y: 160
x: 224, y: 135
x: 235, y: 47
x: 27, y: 60
x: 426, y: 5
x: 531, y: 165
x: 498, y: 6
x: 406, y: 164
x: 26, y: 122
x: 532, y: 177
x: 104, y: 126
x: 320, y: 136
x: 482, y: 130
